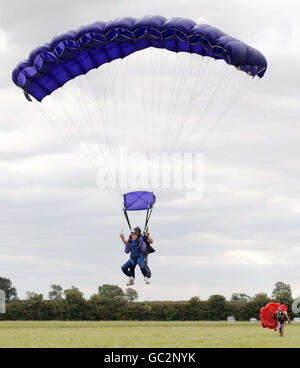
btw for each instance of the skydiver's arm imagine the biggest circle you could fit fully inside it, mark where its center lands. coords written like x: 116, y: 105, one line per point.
x: 150, y: 240
x: 127, y: 248
x: 143, y: 246
x: 147, y: 237
x: 123, y: 239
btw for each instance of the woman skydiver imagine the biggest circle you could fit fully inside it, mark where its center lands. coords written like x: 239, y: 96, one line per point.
x: 281, y: 317
x: 137, y: 249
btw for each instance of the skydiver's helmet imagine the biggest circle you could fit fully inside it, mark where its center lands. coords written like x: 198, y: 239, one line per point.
x: 137, y: 230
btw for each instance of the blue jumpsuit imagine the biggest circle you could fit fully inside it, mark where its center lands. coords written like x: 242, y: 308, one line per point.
x: 137, y: 251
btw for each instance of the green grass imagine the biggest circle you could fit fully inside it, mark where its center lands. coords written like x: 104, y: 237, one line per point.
x: 144, y: 334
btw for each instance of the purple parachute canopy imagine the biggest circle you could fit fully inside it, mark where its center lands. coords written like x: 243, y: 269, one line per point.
x: 75, y: 53
x: 139, y: 201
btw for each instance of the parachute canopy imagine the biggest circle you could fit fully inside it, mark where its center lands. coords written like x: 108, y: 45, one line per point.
x: 139, y: 201
x: 267, y: 314
x: 75, y: 53
x: 137, y: 94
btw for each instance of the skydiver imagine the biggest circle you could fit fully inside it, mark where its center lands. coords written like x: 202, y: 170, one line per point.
x: 281, y: 317
x: 149, y: 249
x: 137, y: 248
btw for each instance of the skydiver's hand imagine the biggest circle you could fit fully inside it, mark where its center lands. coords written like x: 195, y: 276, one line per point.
x: 122, y: 236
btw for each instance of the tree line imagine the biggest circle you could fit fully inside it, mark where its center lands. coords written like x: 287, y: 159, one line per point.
x: 112, y: 303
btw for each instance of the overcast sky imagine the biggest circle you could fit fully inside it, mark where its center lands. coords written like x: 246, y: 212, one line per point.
x: 242, y: 236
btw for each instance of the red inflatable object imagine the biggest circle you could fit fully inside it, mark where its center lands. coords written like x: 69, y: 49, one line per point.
x: 267, y: 314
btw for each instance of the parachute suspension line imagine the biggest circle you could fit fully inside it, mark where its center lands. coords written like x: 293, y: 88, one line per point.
x: 153, y: 74
x: 239, y: 95
x: 104, y: 154
x: 127, y: 219
x: 148, y: 215
x: 153, y: 92
x: 171, y: 99
x: 155, y: 96
x: 204, y: 109
x: 160, y: 94
x: 142, y: 94
x: 88, y: 107
x: 114, y: 119
x: 87, y: 162
x: 103, y: 121
x: 124, y: 103
x: 66, y: 121
x: 236, y: 96
x: 65, y: 124
x: 69, y: 116
x: 222, y: 79
x: 181, y: 82
x: 183, y: 92
x: 108, y: 126
x: 92, y: 126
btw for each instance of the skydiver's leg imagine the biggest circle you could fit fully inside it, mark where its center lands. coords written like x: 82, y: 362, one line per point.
x: 282, y: 329
x: 132, y: 270
x: 147, y: 265
x: 278, y: 326
x: 143, y: 267
x: 127, y: 268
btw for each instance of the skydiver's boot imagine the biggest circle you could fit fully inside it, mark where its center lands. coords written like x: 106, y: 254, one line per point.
x: 147, y: 281
x: 130, y: 281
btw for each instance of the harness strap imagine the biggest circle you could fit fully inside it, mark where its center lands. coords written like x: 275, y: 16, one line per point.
x: 141, y: 258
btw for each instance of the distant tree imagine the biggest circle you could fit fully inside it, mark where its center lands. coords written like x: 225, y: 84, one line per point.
x: 76, y: 307
x: 30, y: 294
x: 260, y: 300
x: 237, y: 297
x: 194, y: 301
x: 73, y: 295
x: 216, y: 305
x: 34, y: 305
x: 193, y: 309
x: 110, y: 290
x: 34, y: 299
x: 285, y: 297
x: 9, y: 290
x: 131, y: 295
x: 279, y: 288
x: 56, y: 292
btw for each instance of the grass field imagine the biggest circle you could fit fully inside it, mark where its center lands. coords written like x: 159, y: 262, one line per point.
x: 144, y: 334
